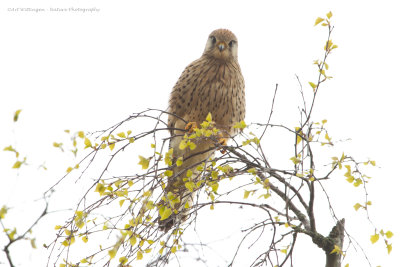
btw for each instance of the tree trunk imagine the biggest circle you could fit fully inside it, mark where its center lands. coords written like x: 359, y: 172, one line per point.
x: 336, y: 236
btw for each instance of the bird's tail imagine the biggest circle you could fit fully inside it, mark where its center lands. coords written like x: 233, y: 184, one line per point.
x: 179, y: 193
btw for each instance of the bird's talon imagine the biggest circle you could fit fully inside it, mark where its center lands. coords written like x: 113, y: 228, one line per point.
x: 191, y: 126
x: 223, y: 142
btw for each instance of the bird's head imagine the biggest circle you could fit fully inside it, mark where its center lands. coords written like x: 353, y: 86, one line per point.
x: 222, y: 44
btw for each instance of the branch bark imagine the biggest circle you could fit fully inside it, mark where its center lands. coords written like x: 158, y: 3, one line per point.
x: 336, y: 236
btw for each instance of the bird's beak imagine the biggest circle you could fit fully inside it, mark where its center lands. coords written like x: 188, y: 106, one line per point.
x: 221, y: 46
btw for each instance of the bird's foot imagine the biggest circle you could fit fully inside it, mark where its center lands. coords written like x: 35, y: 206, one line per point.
x: 223, y: 141
x: 191, y: 126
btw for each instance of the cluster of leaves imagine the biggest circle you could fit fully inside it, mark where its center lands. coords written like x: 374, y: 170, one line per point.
x: 139, y: 196
x: 13, y: 234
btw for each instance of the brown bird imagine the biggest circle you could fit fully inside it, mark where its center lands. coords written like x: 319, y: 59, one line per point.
x: 211, y: 84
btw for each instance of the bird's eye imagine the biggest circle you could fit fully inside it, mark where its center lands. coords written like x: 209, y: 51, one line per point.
x: 213, y: 39
x: 231, y: 43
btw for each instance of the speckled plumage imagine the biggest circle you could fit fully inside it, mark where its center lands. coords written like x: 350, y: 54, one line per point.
x: 213, y: 83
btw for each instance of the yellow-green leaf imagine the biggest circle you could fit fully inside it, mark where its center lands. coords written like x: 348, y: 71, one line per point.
x: 389, y: 234
x: 246, y: 194
x: 318, y: 21
x: 298, y: 138
x: 336, y: 250
x: 139, y: 255
x: 357, y: 206
x: 389, y: 248
x: 191, y: 145
x: 165, y: 214
x: 81, y: 134
x: 144, y: 162
x: 214, y: 187
x: 374, y: 238
x: 100, y: 188
x: 132, y: 240
x: 183, y: 145
x: 87, y: 143
x: 240, y: 125
x: 111, y: 146
x: 190, y: 186
x: 329, y: 15
x: 112, y: 253
x: 17, y: 164
x: 209, y: 117
x: 327, y: 137
x: 16, y: 115
x: 121, y: 134
x: 295, y: 160
x: 313, y: 85
x: 123, y: 260
x: 179, y: 161
x: 357, y: 182
x: 3, y: 212
x: 168, y: 173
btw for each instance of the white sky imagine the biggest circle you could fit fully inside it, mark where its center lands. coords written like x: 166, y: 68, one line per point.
x: 86, y: 71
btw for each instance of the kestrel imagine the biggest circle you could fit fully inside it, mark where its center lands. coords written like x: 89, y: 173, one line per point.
x: 211, y: 84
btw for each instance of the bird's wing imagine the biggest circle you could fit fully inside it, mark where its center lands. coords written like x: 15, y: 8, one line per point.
x: 181, y: 98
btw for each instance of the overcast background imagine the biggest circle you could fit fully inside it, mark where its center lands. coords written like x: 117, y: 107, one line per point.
x: 88, y: 70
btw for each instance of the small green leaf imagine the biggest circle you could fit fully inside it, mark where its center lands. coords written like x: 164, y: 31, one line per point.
x: 357, y: 206
x: 17, y: 164
x: 121, y: 134
x: 132, y: 240
x: 165, y: 213
x: 179, y: 161
x: 240, y: 125
x: 318, y: 21
x: 374, y: 238
x: 313, y: 85
x: 81, y: 134
x: 112, y: 253
x: 389, y: 234
x: 190, y: 186
x: 111, y: 146
x: 182, y: 145
x: 87, y: 143
x: 144, y: 162
x: 139, y: 255
x: 209, y: 117
x: 16, y: 114
x: 169, y: 173
x: 3, y: 212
